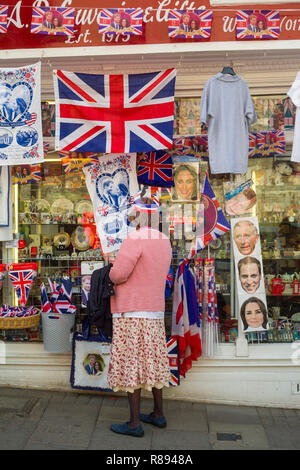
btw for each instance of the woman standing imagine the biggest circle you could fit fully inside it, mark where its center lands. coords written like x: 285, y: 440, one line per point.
x: 139, y: 357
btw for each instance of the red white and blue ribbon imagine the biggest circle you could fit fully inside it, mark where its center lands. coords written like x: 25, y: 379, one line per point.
x: 140, y: 206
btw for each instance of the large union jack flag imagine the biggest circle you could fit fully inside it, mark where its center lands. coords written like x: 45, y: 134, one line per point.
x: 155, y: 169
x: 3, y: 18
x: 270, y: 143
x: 114, y: 113
x: 129, y: 21
x: 257, y: 24
x: 173, y: 357
x: 198, y: 25
x: 63, y: 26
x: 22, y: 276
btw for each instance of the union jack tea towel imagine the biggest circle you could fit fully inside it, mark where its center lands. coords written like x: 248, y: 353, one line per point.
x: 195, y: 24
x: 121, y: 21
x: 3, y: 18
x: 114, y: 113
x: 214, y: 223
x: 257, y: 24
x: 21, y: 136
x: 112, y: 185
x: 22, y: 277
x: 5, y: 199
x: 53, y: 21
x: 155, y: 169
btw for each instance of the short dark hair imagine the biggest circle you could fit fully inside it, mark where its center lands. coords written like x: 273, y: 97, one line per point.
x: 248, y: 260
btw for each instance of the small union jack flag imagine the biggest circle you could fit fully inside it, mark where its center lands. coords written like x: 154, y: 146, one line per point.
x: 155, y: 169
x: 61, y: 22
x: 121, y: 21
x: 173, y: 357
x: 3, y: 18
x: 22, y: 276
x: 190, y: 24
x: 114, y: 113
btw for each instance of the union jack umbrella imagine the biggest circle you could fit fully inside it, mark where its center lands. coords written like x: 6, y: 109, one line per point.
x: 215, y: 223
x: 114, y: 113
x: 22, y: 276
x: 132, y: 21
x: 202, y: 19
x: 210, y: 310
x: 64, y: 15
x: 269, y: 19
x: 173, y: 357
x: 3, y: 18
x: 155, y: 169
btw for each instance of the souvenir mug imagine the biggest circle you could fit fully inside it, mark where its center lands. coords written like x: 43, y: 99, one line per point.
x: 276, y: 287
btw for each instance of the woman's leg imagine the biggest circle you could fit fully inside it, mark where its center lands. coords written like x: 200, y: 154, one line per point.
x: 134, y: 405
x: 158, y: 402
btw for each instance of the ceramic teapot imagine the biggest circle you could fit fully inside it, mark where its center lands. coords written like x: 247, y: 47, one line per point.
x: 276, y: 287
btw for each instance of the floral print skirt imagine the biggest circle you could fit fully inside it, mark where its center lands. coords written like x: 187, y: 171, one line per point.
x: 139, y: 356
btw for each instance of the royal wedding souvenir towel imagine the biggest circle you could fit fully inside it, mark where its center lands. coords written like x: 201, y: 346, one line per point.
x: 21, y: 137
x: 227, y: 110
x: 294, y: 94
x: 112, y: 185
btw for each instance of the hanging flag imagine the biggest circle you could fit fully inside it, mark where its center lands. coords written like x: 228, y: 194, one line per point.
x: 3, y: 18
x: 76, y: 164
x: 155, y: 169
x: 114, y: 113
x: 190, y: 24
x: 172, y: 348
x: 21, y: 137
x: 270, y: 143
x: 257, y: 24
x: 22, y: 276
x: 112, y: 184
x: 22, y: 174
x: 214, y: 224
x: 121, y: 21
x: 53, y: 21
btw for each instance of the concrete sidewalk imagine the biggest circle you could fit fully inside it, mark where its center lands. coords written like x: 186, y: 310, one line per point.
x: 46, y: 420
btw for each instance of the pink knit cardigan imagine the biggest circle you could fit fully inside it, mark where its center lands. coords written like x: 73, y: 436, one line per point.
x: 139, y: 272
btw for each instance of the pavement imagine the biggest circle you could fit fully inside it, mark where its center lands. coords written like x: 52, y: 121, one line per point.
x: 33, y: 419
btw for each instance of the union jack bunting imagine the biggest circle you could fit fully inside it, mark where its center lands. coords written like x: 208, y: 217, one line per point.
x: 114, y: 113
x: 22, y: 276
x: 257, y: 24
x: 270, y: 143
x: 3, y: 18
x: 32, y: 175
x: 59, y: 22
x: 215, y: 223
x: 155, y: 169
x: 190, y: 24
x: 121, y: 21
x: 173, y: 357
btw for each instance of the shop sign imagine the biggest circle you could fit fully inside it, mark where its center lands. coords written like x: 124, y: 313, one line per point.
x: 155, y: 24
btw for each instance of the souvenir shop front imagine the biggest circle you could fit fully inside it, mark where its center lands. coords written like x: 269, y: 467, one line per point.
x: 231, y: 209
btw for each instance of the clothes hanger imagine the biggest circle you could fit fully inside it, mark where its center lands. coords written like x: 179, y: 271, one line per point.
x: 228, y: 70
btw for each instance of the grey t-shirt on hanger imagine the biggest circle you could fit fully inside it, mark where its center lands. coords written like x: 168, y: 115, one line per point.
x: 228, y: 110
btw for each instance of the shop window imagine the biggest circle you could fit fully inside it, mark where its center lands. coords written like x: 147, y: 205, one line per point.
x: 50, y: 220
